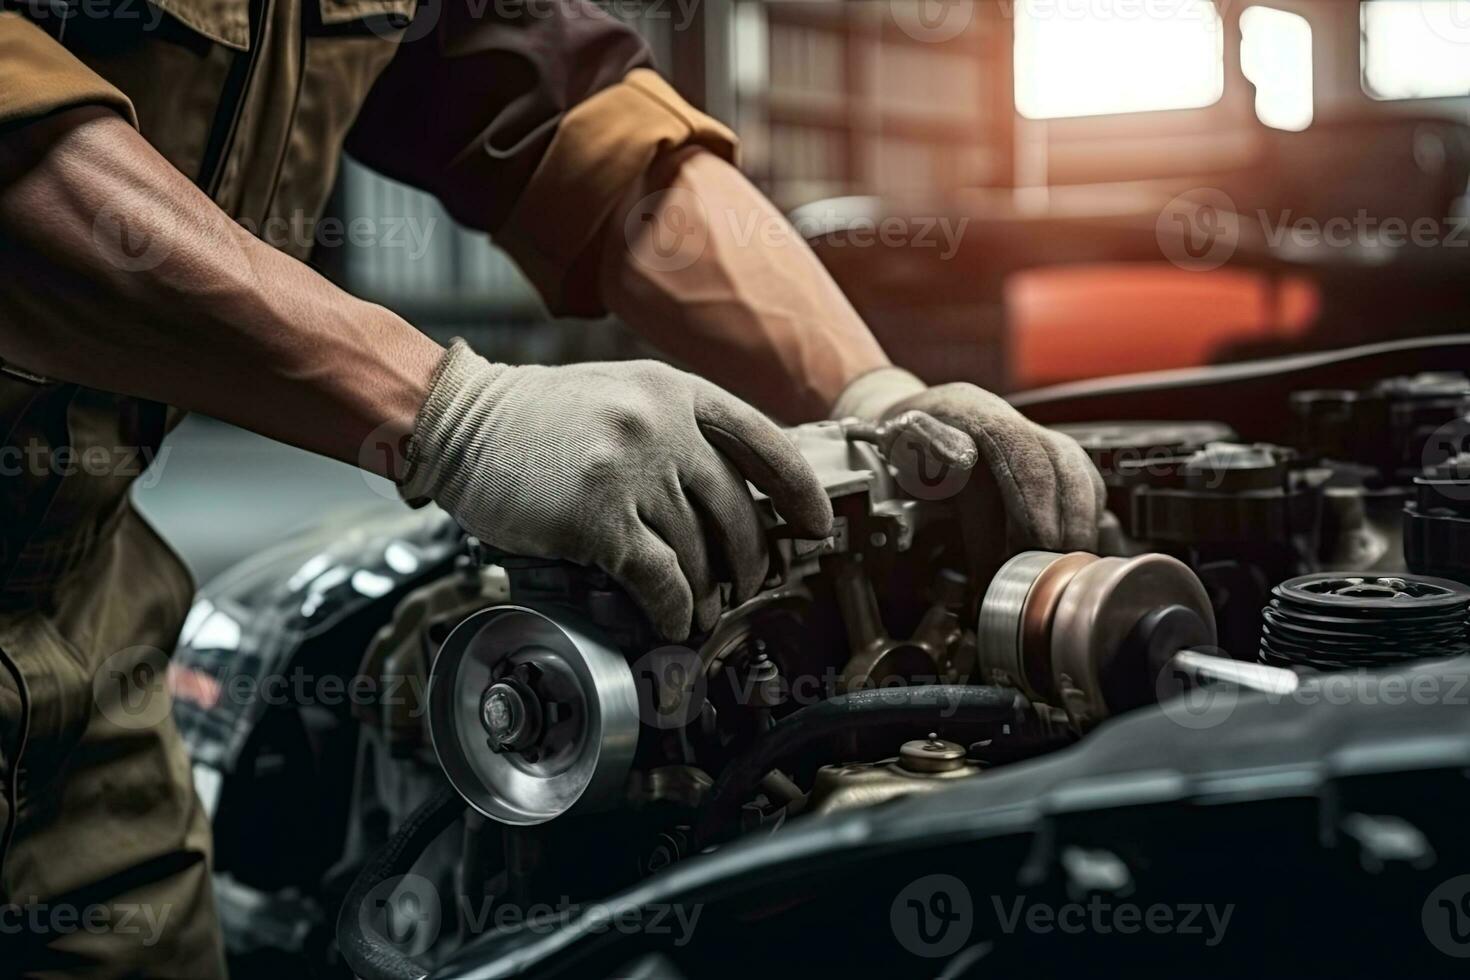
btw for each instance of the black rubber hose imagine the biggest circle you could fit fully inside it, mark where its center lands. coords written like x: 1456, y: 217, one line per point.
x: 927, y: 708
x: 370, y: 955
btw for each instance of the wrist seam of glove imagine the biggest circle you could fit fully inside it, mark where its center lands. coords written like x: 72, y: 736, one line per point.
x: 438, y: 420
x: 870, y: 395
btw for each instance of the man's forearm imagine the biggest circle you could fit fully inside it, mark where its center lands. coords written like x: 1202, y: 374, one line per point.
x: 701, y: 264
x: 121, y: 275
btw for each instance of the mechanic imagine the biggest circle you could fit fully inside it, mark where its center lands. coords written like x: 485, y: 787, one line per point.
x: 139, y: 142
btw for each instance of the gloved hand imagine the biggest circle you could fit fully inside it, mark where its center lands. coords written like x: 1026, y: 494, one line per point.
x: 635, y: 467
x: 1053, y: 494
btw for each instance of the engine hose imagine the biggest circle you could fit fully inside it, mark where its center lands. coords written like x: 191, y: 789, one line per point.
x: 926, y: 708
x: 369, y: 954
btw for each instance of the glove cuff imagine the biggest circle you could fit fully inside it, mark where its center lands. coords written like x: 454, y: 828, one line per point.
x: 869, y: 396
x: 456, y: 401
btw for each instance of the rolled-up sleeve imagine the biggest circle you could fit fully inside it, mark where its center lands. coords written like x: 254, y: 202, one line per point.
x: 529, y: 121
x: 38, y: 76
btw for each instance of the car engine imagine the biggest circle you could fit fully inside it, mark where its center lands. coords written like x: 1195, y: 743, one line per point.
x: 910, y: 652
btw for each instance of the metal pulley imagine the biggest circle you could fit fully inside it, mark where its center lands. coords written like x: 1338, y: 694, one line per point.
x: 1335, y: 621
x: 1094, y: 636
x: 532, y: 715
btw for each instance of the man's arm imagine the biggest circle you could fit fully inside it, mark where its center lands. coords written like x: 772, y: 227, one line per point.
x: 124, y: 277
x: 549, y: 133
x: 146, y: 288
x: 698, y: 261
x: 703, y: 265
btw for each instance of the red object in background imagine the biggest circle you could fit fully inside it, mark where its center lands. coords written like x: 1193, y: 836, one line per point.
x: 194, y: 686
x: 1068, y: 323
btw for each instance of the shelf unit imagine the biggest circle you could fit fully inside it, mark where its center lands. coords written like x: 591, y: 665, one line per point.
x: 837, y: 98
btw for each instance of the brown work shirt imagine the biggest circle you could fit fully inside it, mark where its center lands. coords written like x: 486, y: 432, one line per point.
x: 528, y: 119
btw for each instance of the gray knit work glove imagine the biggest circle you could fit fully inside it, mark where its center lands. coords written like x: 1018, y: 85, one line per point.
x: 633, y: 466
x: 1053, y: 494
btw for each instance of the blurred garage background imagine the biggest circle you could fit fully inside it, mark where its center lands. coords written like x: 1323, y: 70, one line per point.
x: 1078, y: 188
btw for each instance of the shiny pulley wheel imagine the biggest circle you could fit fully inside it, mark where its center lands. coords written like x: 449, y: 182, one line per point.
x: 1087, y: 634
x: 532, y: 715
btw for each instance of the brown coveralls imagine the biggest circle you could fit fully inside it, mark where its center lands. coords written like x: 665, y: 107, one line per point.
x: 527, y: 118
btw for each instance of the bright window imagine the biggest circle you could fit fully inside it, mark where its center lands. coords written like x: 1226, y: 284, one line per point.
x: 1097, y: 57
x: 1276, y: 57
x: 1416, y: 49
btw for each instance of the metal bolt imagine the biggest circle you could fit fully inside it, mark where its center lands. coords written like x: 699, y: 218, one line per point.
x: 932, y: 754
x: 511, y: 715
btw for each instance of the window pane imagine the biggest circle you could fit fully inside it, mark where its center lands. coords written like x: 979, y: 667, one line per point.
x: 1416, y: 49
x: 1084, y: 58
x: 1276, y: 57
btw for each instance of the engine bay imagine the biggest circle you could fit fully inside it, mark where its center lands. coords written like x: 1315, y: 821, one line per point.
x: 912, y: 652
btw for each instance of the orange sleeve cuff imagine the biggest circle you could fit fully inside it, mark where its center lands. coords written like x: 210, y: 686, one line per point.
x: 601, y: 147
x: 38, y: 76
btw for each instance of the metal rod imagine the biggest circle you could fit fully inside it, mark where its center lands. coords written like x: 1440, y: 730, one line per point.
x: 1204, y: 668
